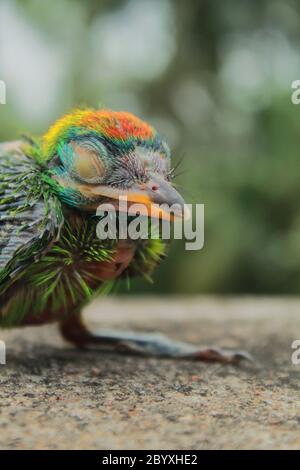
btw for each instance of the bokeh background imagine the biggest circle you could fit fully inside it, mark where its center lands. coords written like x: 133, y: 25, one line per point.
x: 215, y: 78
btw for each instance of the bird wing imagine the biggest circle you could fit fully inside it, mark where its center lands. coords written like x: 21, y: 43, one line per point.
x: 30, y: 214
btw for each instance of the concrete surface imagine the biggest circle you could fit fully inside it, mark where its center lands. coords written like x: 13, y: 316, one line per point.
x: 54, y: 397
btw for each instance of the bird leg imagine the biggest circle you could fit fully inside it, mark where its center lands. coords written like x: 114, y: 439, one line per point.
x: 145, y: 344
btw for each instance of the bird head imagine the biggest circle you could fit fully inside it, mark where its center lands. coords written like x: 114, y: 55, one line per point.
x: 104, y: 155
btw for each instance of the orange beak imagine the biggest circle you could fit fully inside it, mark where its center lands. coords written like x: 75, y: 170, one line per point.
x: 157, y: 198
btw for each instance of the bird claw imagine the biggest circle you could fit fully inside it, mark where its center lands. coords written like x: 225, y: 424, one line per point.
x: 225, y: 356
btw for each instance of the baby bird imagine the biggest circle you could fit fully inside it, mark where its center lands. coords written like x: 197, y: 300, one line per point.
x: 52, y: 263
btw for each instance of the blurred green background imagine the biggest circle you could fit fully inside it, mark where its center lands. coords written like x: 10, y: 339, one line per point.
x: 215, y: 78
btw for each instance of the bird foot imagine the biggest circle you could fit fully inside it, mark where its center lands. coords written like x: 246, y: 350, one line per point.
x: 159, y: 345
x: 147, y: 344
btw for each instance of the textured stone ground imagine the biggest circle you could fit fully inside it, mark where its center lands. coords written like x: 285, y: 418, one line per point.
x: 53, y: 397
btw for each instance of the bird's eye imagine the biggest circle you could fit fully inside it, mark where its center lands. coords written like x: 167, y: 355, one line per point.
x: 85, y: 160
